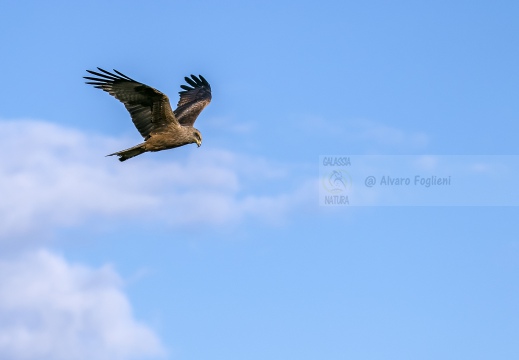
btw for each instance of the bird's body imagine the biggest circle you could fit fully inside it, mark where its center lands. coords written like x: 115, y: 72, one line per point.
x: 151, y: 112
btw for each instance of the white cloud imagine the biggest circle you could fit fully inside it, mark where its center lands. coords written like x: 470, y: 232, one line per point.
x: 427, y: 162
x: 370, y: 133
x: 388, y: 135
x: 52, y: 176
x: 53, y: 310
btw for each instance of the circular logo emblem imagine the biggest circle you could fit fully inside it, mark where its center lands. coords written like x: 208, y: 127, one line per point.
x: 337, y: 181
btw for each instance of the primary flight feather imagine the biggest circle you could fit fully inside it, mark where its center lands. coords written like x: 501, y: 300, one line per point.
x: 160, y: 126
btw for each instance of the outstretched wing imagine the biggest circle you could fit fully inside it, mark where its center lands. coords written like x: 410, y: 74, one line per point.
x: 149, y: 108
x: 193, y: 99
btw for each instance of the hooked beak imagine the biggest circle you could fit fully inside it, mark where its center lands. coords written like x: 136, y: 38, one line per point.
x: 198, y: 143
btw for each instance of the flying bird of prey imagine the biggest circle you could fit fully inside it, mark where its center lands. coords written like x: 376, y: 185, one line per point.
x: 160, y: 126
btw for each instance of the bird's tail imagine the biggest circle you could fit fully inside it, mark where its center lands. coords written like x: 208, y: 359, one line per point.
x: 129, y: 153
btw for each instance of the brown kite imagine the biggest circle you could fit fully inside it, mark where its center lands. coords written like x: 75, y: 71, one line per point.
x: 160, y: 126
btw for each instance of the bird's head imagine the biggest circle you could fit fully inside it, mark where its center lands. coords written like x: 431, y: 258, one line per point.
x: 197, y: 137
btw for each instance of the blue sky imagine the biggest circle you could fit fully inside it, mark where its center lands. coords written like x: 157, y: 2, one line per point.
x: 222, y: 251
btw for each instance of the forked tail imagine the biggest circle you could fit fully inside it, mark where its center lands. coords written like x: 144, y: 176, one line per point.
x: 129, y: 153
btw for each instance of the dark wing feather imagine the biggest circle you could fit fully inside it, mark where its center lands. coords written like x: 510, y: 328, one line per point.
x: 193, y: 99
x: 149, y: 108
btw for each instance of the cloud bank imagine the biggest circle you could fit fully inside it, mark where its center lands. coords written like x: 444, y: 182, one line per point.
x: 50, y: 309
x: 52, y: 177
